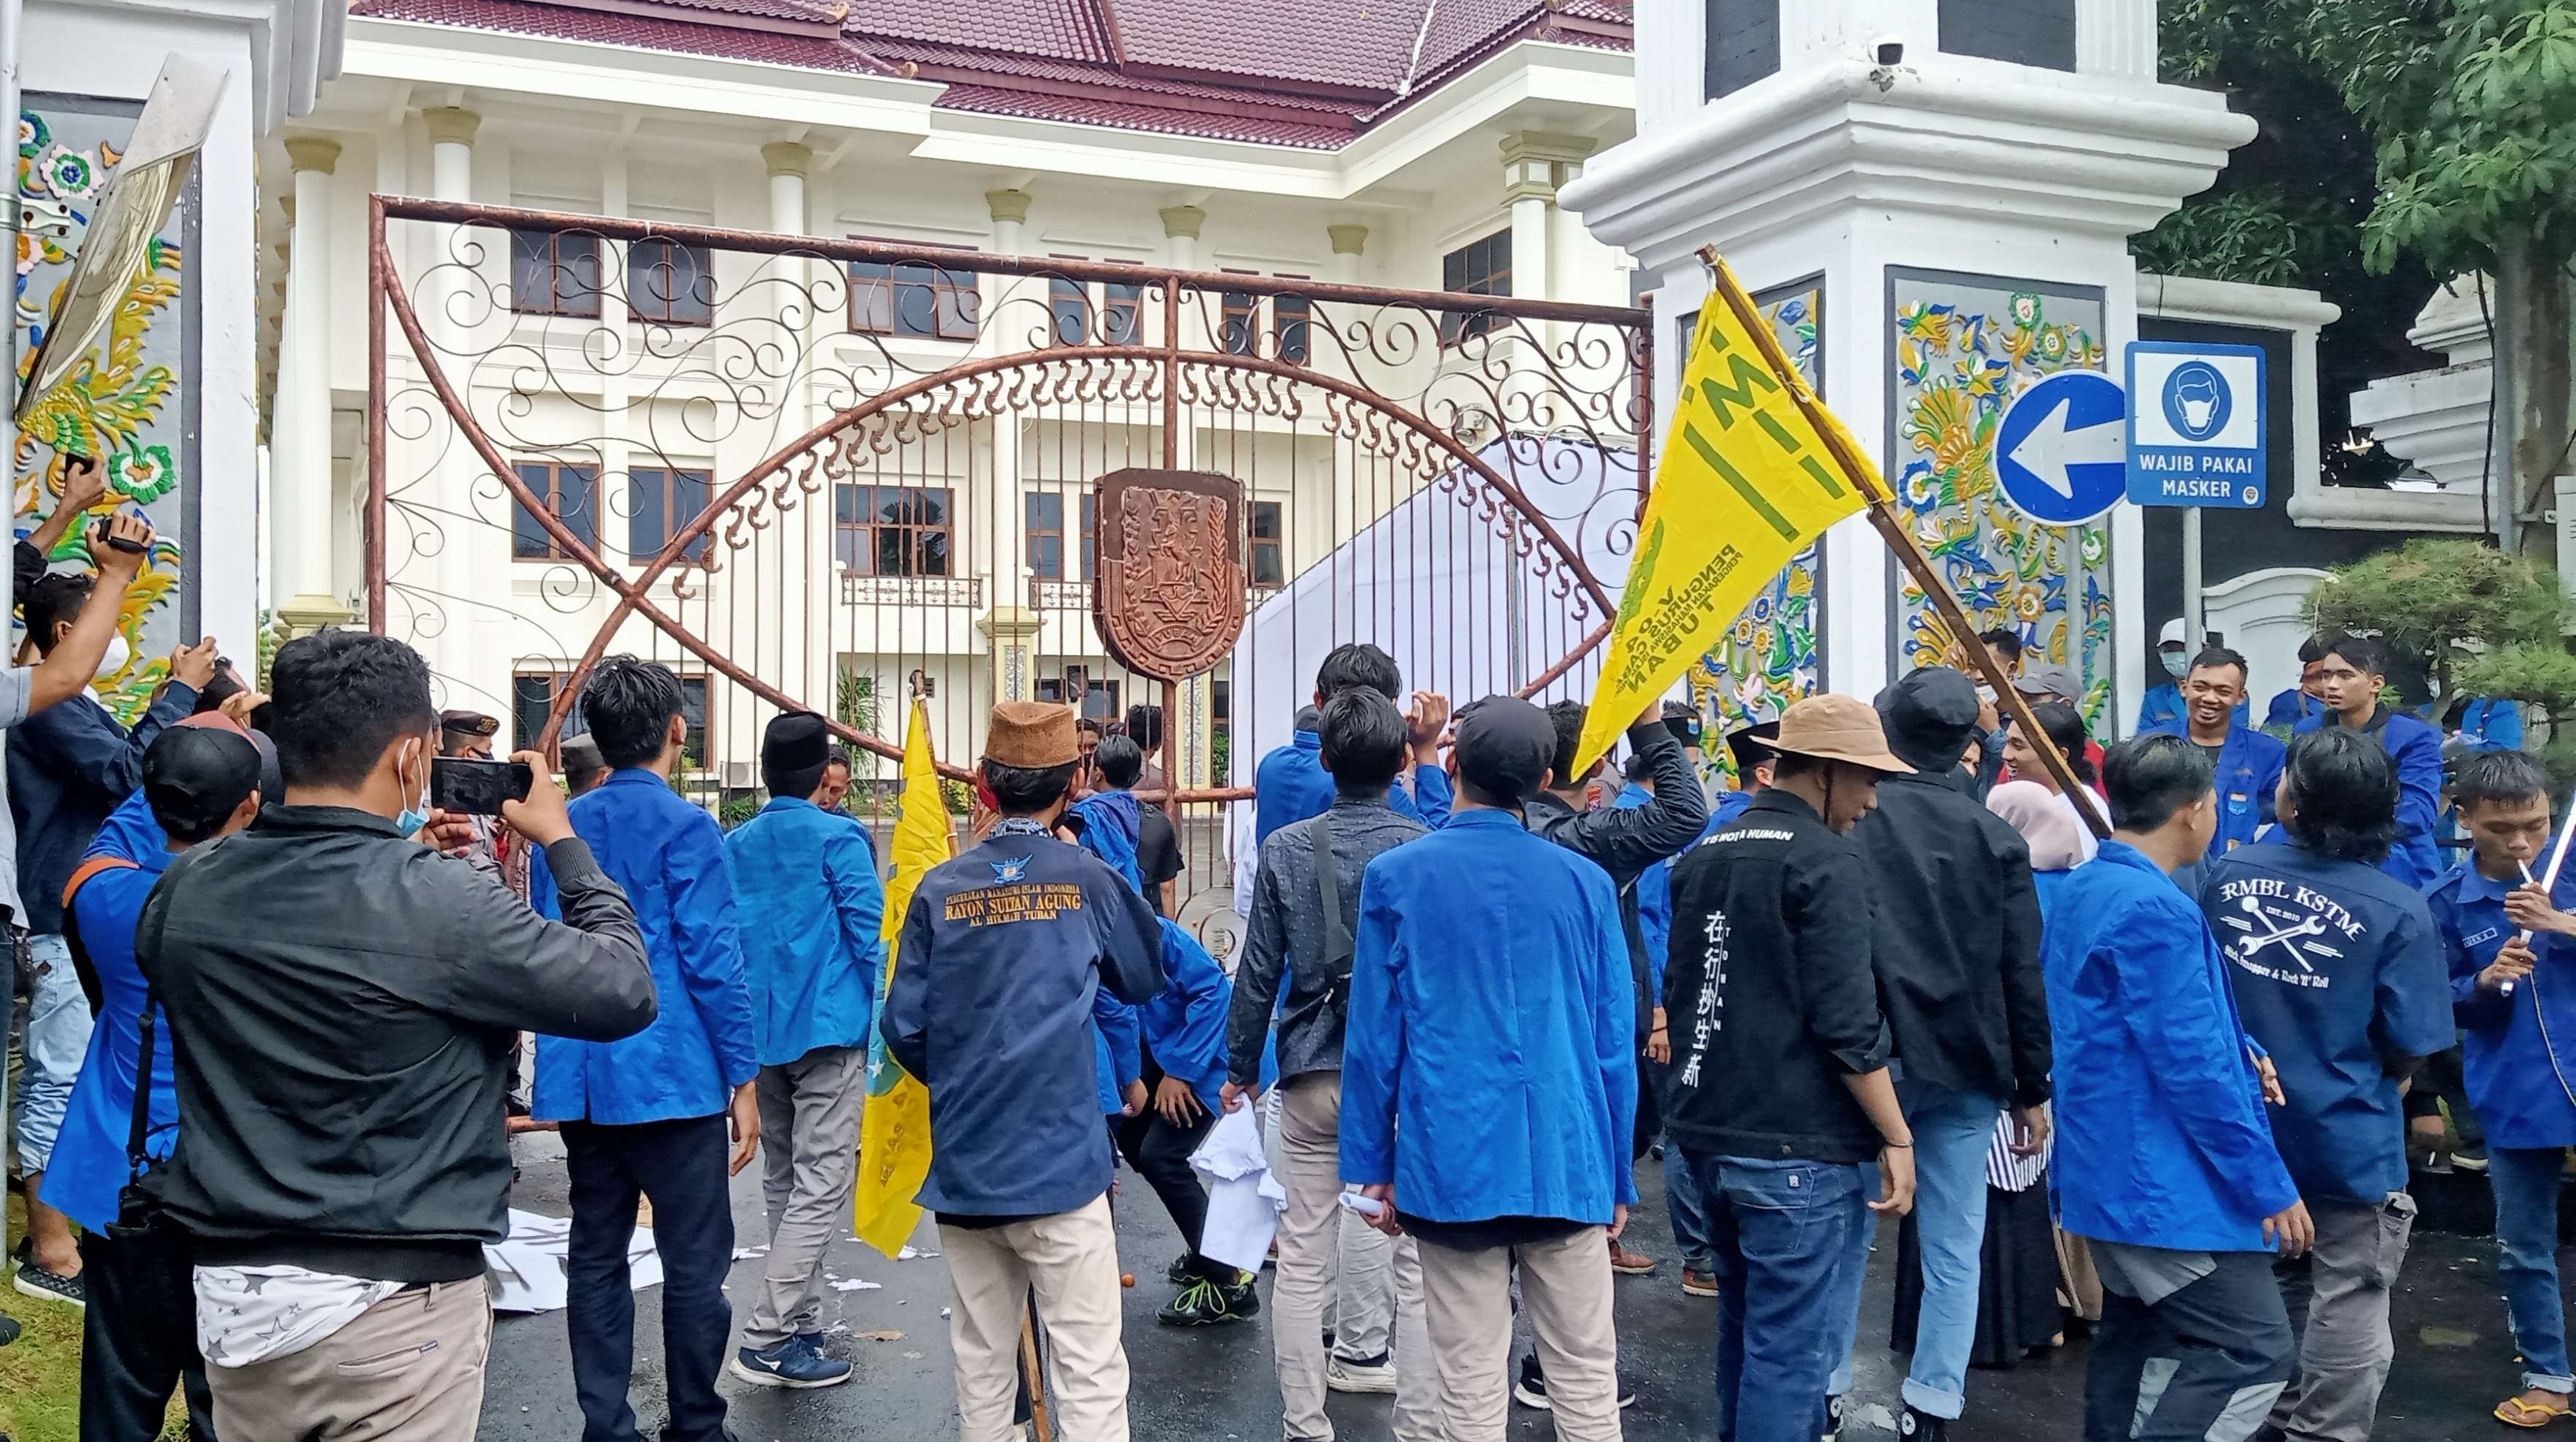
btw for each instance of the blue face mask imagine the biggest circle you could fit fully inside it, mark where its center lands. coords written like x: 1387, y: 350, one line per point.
x: 417, y: 815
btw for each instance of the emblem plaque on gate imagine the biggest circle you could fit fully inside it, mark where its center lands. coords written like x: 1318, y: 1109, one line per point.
x: 1170, y: 599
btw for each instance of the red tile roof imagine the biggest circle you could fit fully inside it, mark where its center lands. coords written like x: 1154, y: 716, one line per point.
x: 1308, y: 74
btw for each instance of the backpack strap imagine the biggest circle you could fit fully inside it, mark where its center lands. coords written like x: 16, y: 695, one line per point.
x: 82, y: 966
x: 1338, y: 945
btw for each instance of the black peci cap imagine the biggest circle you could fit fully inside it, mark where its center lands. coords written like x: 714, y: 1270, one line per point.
x: 796, y: 741
x: 195, y: 776
x: 1505, y: 746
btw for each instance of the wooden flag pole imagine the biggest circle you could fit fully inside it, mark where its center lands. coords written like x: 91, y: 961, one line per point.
x: 1041, y: 1429
x: 1909, y: 552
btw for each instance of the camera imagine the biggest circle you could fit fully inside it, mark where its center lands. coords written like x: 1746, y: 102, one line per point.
x: 1888, y: 50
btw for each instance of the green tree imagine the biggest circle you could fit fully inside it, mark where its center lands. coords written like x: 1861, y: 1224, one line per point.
x: 2485, y: 623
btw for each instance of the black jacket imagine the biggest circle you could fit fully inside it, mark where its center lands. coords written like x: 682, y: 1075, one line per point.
x: 1957, y: 943
x: 1625, y: 843
x: 1768, y: 991
x: 342, y: 1004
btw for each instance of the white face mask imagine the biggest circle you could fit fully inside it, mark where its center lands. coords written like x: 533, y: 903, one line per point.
x: 118, y: 654
x: 417, y: 816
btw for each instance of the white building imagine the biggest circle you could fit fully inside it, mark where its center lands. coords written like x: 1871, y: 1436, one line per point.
x: 1416, y: 144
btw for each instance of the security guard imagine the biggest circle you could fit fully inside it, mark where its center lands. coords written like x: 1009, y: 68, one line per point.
x: 1003, y: 950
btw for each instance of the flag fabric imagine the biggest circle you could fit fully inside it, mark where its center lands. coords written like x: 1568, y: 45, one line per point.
x: 894, y: 1130
x: 1745, y: 481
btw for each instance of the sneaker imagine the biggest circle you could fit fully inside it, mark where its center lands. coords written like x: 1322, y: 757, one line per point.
x: 1698, y: 1284
x: 8, y: 1330
x: 1180, y: 1272
x: 1531, y: 1389
x: 1204, y: 1303
x: 792, y: 1363
x: 1343, y: 1375
x: 1922, y: 1427
x: 2469, y: 1158
x: 48, y: 1286
x: 1627, y: 1263
x: 1833, y: 1418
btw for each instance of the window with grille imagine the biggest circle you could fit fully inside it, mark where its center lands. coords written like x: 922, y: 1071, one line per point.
x: 1481, y: 267
x: 1097, y: 698
x: 1070, y: 303
x: 668, y: 283
x: 891, y: 530
x: 532, y: 695
x: 1290, y: 318
x: 1044, y: 513
x: 1242, y: 324
x: 554, y: 273
x: 1122, y: 305
x: 661, y: 503
x: 912, y: 299
x: 571, y: 494
x: 1269, y: 546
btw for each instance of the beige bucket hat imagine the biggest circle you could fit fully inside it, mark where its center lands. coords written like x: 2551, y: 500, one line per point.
x: 1837, y: 728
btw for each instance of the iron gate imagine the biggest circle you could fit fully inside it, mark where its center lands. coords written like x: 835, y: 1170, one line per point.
x: 840, y: 474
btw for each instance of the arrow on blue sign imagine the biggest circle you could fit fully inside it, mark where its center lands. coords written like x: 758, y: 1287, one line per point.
x: 2061, y: 452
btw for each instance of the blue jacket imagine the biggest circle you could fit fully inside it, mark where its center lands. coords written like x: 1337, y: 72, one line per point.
x: 2517, y: 1069
x: 2417, y: 750
x: 1185, y: 1026
x: 1655, y: 884
x: 2249, y: 782
x: 1291, y: 784
x: 89, y: 1165
x: 2338, y: 973
x: 809, y: 909
x: 69, y: 766
x: 1489, y: 1068
x: 2163, y: 709
x: 669, y: 857
x: 1004, y: 950
x: 2162, y: 1141
x: 2488, y: 724
x: 2291, y: 708
x: 1111, y: 823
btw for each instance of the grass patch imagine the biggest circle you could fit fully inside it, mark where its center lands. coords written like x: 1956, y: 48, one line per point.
x: 40, y: 1372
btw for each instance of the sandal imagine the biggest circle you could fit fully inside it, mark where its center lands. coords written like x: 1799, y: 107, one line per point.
x: 2515, y: 1412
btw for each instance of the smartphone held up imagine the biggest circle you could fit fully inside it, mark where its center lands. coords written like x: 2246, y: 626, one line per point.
x: 472, y: 787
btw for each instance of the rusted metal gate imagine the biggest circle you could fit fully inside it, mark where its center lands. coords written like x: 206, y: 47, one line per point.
x: 840, y: 474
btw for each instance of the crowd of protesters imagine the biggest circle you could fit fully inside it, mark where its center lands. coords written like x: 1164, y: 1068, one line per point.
x: 2129, y: 1043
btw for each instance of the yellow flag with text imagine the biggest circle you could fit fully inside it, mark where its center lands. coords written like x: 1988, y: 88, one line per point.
x: 1744, y: 482
x: 894, y: 1131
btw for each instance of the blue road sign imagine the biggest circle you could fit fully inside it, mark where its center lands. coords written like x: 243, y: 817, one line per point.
x: 2196, y: 437
x: 2058, y: 456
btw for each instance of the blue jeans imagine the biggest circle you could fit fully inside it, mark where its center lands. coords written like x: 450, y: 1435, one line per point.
x: 1952, y: 1132
x: 1778, y: 1230
x: 2525, y: 1180
x: 1689, y: 1209
x: 58, y: 1025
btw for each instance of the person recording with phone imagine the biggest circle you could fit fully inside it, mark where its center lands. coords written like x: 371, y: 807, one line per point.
x: 341, y: 1001
x: 69, y: 766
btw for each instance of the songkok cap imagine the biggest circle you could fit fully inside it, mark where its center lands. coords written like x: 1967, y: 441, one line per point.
x: 197, y: 771
x: 1750, y: 746
x: 795, y: 741
x: 1031, y: 735
x: 467, y: 723
x: 1838, y: 728
x: 2047, y: 678
x: 580, y: 753
x: 1505, y: 746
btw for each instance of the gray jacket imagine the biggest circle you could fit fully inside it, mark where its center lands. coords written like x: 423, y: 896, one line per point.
x: 1288, y: 923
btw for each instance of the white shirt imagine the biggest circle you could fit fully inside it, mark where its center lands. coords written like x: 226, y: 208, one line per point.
x: 251, y: 1314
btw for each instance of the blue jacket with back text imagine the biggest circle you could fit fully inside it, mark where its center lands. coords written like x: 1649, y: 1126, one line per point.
x: 1291, y: 785
x: 808, y: 906
x: 669, y: 856
x: 1489, y: 1067
x: 2162, y: 1140
x: 2249, y: 781
x: 2417, y: 750
x: 1005, y: 950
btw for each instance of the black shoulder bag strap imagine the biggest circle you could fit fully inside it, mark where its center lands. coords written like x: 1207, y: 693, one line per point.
x: 1338, y: 946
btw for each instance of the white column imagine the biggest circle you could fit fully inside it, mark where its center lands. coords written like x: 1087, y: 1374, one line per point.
x: 451, y: 167
x: 1348, y: 243
x: 307, y: 594
x: 1535, y: 163
x: 1181, y: 224
x: 1010, y: 212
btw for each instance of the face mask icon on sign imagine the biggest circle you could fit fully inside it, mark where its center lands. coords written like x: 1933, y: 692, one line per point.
x: 2196, y: 401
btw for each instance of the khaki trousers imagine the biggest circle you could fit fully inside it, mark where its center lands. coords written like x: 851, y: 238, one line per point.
x: 1310, y: 1170
x: 1467, y: 1303
x: 408, y: 1369
x: 1070, y: 1260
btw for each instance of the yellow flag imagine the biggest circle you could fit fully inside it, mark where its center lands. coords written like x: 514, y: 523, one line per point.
x: 894, y: 1131
x: 1745, y: 481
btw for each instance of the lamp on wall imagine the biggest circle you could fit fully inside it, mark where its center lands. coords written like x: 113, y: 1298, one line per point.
x: 173, y: 127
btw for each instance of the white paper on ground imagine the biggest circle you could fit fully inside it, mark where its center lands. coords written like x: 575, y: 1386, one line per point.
x: 527, y: 1267
x: 1243, y: 1199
